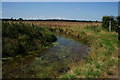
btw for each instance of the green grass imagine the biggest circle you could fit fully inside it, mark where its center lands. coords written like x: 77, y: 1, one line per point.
x: 102, y: 61
x: 69, y: 76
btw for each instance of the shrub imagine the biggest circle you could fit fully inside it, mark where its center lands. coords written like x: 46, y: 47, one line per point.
x: 118, y: 19
x: 19, y: 38
x: 106, y: 20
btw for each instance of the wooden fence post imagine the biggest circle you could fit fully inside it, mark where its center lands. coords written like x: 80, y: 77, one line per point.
x: 109, y: 26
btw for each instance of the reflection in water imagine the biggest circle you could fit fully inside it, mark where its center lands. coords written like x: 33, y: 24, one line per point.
x: 51, y: 63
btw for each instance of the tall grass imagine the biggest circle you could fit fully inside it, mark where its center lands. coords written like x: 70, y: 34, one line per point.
x: 102, y: 61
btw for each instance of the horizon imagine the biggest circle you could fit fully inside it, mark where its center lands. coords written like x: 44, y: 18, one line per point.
x: 49, y: 19
x: 90, y: 11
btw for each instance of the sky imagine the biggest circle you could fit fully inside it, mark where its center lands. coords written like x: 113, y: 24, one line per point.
x: 59, y: 10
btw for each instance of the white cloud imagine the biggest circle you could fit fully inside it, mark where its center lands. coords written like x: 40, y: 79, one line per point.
x: 56, y: 18
x: 39, y: 17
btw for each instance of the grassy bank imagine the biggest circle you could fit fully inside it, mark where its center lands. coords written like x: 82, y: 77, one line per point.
x: 102, y: 61
x: 21, y: 39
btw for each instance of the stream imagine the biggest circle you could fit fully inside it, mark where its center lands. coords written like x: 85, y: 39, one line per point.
x: 51, y: 63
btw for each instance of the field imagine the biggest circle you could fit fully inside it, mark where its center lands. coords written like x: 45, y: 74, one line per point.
x: 62, y: 23
x: 102, y: 60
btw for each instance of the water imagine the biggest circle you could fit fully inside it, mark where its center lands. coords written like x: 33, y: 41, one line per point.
x: 51, y: 63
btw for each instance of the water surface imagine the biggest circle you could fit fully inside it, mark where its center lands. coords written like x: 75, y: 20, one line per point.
x: 50, y: 63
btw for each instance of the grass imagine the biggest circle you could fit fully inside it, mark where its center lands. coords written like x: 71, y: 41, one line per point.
x: 102, y: 61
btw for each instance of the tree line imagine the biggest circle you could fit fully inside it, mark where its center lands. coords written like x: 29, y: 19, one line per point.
x: 21, y: 19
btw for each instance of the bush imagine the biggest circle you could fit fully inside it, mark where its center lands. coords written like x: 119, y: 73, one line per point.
x: 19, y: 38
x: 106, y: 20
x: 118, y: 19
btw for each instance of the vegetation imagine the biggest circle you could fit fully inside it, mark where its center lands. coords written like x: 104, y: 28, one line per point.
x: 102, y: 60
x: 118, y: 18
x: 23, y: 39
x: 20, y: 19
x: 115, y: 22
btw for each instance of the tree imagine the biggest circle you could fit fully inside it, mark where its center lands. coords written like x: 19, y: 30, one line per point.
x: 106, y: 20
x: 118, y: 20
x: 11, y: 19
x: 20, y: 19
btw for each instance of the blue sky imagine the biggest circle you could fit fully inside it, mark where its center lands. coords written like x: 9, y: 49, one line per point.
x: 59, y: 10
